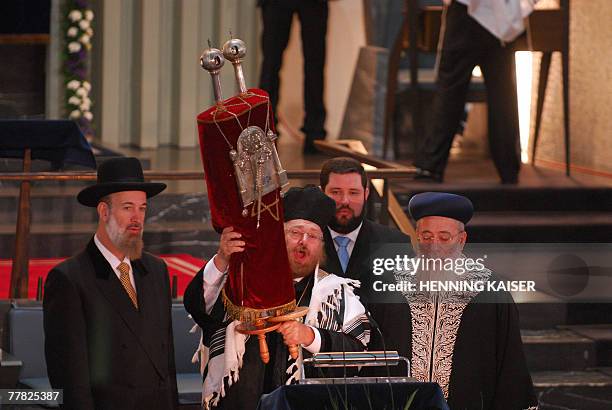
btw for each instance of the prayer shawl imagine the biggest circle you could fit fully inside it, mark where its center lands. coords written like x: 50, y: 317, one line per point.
x: 333, y: 306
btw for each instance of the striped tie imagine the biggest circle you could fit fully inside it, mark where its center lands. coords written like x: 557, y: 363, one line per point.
x: 124, y: 269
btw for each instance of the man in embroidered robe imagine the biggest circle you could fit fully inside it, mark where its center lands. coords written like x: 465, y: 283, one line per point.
x: 467, y: 342
x: 336, y: 320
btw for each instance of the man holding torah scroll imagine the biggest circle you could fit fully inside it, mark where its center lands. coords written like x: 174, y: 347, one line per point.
x: 336, y: 319
x: 244, y: 179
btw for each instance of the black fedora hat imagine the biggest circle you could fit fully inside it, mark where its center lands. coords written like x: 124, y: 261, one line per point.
x: 116, y: 175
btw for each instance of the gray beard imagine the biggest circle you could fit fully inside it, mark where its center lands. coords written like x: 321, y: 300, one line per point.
x: 131, y: 247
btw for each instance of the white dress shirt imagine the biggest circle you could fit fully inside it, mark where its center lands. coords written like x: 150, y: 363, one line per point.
x: 351, y: 235
x: 214, y: 280
x: 114, y: 261
x: 502, y: 18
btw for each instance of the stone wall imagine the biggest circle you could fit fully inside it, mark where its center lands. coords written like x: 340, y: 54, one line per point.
x: 590, y: 90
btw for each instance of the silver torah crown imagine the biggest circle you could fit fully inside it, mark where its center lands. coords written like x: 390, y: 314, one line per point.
x: 212, y: 60
x: 234, y: 50
x: 256, y: 173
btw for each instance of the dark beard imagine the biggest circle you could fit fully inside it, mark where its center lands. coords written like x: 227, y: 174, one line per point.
x: 349, y: 226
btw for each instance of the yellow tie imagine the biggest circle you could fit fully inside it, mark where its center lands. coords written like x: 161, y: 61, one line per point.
x: 124, y: 269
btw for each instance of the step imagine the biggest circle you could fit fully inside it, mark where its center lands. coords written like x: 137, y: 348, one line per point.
x: 61, y: 206
x: 535, y: 227
x: 601, y: 334
x: 584, y: 390
x: 60, y: 240
x: 535, y: 316
x: 558, y: 349
x: 488, y: 198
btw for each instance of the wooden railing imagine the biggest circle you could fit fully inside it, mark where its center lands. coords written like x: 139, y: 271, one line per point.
x: 19, y: 272
x: 388, y: 173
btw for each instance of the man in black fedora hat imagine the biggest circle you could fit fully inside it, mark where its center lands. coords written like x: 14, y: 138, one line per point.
x: 107, y: 322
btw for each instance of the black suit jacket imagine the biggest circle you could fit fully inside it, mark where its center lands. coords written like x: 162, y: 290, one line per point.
x: 392, y: 318
x: 371, y: 236
x: 100, y: 350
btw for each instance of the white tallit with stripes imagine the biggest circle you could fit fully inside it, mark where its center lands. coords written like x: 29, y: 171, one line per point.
x: 331, y: 295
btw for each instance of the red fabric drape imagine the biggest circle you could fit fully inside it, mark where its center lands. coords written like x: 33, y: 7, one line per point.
x: 263, y: 266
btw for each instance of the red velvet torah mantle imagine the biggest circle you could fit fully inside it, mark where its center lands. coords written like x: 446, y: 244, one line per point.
x: 259, y: 281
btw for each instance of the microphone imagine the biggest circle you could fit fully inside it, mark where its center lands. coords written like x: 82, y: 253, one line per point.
x: 375, y: 325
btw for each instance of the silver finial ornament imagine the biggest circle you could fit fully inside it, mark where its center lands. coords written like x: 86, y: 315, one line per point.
x: 283, y: 178
x: 212, y: 60
x: 234, y: 51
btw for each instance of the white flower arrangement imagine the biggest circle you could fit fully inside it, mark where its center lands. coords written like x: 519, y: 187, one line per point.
x: 79, y: 33
x: 86, y: 105
x: 74, y: 84
x: 81, y: 30
x: 75, y: 15
x: 79, y: 100
x: 74, y: 47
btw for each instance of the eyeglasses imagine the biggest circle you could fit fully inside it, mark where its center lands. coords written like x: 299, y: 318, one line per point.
x: 443, y: 237
x: 297, y: 235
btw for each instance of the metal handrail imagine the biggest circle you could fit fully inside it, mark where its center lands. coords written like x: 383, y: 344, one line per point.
x: 185, y: 175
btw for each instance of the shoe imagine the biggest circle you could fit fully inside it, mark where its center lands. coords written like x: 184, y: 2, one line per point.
x: 509, y: 181
x: 423, y: 175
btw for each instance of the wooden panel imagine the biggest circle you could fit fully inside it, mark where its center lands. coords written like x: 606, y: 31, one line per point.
x: 546, y: 30
x: 430, y: 20
x: 24, y: 39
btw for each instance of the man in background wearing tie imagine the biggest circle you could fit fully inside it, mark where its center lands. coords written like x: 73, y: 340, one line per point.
x: 107, y: 322
x: 350, y: 237
x: 350, y: 242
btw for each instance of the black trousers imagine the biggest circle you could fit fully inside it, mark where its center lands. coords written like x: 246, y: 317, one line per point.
x: 277, y: 16
x: 467, y: 44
